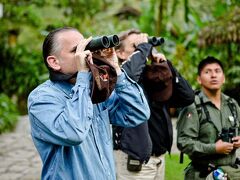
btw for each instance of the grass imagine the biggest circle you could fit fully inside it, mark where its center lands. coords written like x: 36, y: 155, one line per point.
x: 175, y: 170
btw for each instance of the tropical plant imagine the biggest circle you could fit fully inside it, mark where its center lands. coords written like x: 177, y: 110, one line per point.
x: 8, y: 114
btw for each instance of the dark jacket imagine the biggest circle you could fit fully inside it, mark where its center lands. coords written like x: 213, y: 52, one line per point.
x: 159, y: 125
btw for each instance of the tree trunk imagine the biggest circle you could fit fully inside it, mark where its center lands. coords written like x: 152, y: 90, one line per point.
x: 161, y: 9
x: 186, y: 10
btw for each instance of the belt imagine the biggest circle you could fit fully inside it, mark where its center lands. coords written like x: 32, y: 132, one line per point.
x: 159, y: 153
x: 156, y: 154
x: 204, y: 169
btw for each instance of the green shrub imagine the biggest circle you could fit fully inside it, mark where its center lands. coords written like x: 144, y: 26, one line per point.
x: 8, y: 114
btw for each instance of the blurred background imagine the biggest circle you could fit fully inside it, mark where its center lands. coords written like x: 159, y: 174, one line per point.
x: 192, y: 31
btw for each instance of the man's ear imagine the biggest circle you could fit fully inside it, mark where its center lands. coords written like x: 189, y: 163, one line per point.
x: 53, y: 63
x: 199, y: 80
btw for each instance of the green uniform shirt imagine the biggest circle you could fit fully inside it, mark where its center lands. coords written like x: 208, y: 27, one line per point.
x: 196, y: 137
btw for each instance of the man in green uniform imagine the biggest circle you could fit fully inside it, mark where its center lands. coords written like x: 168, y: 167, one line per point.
x: 208, y: 129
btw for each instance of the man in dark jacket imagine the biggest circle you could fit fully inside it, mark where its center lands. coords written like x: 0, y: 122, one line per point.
x: 139, y: 151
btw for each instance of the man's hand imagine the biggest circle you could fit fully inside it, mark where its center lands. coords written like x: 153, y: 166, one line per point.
x: 82, y: 55
x: 157, y: 57
x: 110, y: 55
x: 223, y: 147
x: 236, y: 142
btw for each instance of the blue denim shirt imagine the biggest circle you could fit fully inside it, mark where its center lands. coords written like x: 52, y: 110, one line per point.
x: 72, y: 135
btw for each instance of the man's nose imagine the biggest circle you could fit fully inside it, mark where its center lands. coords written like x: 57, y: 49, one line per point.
x: 213, y: 74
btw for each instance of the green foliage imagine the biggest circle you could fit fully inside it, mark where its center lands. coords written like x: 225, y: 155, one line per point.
x: 25, y: 24
x: 148, y: 15
x: 233, y: 74
x: 8, y: 114
x: 21, y: 70
x: 182, y: 45
x: 175, y: 170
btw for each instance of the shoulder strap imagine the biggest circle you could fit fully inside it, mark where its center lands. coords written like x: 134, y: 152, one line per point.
x: 208, y: 118
x: 198, y: 103
x: 233, y: 109
x: 181, y: 157
x: 201, y: 109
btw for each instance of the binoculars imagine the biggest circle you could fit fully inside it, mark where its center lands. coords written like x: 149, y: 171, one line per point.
x: 102, y: 42
x: 227, y: 134
x: 156, y: 41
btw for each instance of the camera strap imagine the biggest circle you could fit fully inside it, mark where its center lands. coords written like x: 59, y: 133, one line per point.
x: 104, y: 79
x: 233, y: 109
x: 201, y: 107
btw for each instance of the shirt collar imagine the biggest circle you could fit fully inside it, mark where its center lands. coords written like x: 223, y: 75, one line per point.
x: 64, y: 86
x: 224, y: 98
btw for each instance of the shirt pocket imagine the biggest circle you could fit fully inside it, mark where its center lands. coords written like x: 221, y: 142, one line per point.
x: 104, y: 126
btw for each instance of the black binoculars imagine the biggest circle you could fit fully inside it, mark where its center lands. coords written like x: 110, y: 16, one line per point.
x: 102, y: 42
x: 156, y: 41
x: 227, y: 134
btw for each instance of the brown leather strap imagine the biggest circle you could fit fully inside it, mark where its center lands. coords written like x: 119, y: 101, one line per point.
x: 104, y: 79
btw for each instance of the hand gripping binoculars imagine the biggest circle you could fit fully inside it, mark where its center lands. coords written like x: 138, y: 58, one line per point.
x: 227, y: 134
x: 102, y: 42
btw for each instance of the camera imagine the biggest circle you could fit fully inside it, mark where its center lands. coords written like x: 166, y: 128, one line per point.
x: 227, y: 134
x: 102, y: 42
x: 156, y: 41
x: 237, y: 161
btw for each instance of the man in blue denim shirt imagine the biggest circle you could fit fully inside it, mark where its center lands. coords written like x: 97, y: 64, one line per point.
x: 71, y: 134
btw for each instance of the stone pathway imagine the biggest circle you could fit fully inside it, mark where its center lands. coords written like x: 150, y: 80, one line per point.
x: 19, y: 159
